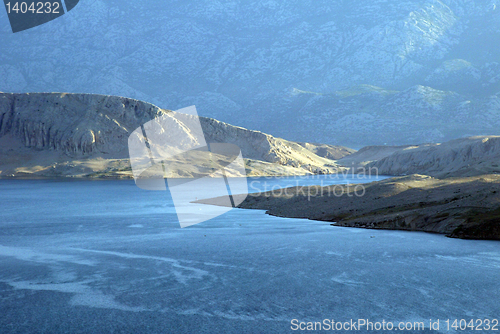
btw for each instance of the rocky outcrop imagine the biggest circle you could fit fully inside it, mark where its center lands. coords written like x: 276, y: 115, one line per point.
x: 79, y: 124
x: 461, y: 157
x: 459, y: 207
x: 47, y: 133
x: 328, y: 151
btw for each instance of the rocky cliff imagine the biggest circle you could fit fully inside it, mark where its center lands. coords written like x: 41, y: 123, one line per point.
x: 59, y: 134
x: 461, y: 157
x: 79, y: 124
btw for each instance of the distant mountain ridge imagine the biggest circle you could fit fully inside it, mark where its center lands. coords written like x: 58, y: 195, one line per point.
x: 419, y: 114
x: 251, y: 63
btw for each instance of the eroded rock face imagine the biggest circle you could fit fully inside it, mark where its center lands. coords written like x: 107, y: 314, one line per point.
x: 72, y: 123
x: 469, y: 156
x: 461, y: 157
x: 86, y: 126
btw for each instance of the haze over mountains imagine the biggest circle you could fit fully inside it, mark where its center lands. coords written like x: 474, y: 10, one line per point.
x: 355, y: 74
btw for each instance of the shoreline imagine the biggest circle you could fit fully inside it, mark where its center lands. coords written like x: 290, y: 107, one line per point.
x: 336, y: 176
x: 466, y: 208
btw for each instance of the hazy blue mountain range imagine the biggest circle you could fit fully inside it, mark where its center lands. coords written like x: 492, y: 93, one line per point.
x: 338, y: 72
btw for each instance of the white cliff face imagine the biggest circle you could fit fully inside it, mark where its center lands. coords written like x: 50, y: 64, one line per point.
x: 72, y: 123
x: 457, y: 158
x: 240, y: 61
x: 38, y: 130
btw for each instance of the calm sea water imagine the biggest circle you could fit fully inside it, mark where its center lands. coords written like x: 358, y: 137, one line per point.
x: 105, y: 256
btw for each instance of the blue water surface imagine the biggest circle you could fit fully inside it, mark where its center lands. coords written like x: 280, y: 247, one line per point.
x: 106, y: 256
